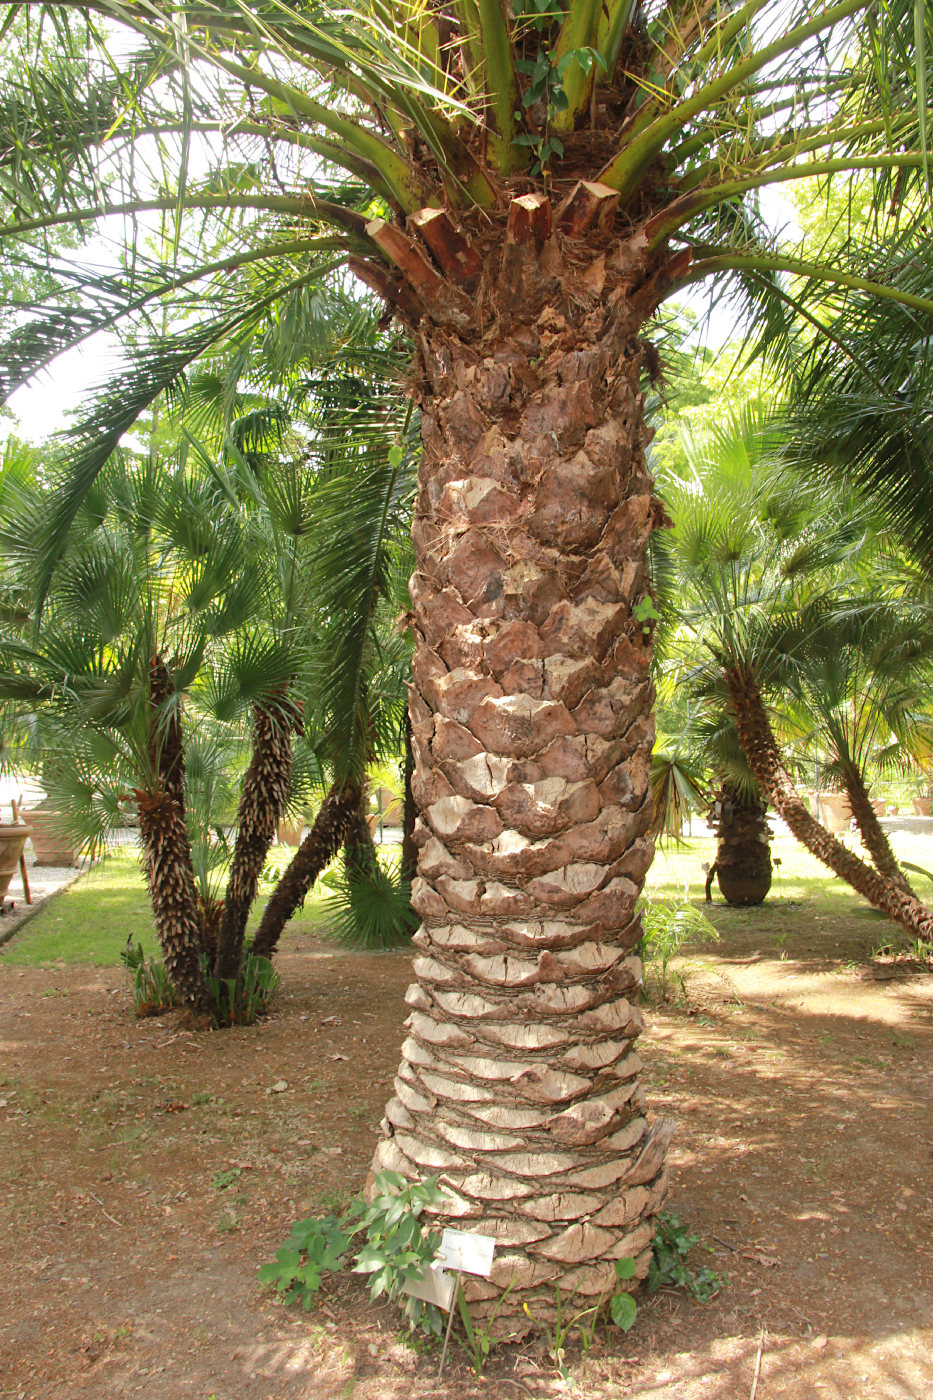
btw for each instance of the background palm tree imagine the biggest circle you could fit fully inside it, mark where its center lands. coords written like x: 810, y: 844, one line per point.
x: 123, y: 638
x: 859, y: 680
x: 765, y: 569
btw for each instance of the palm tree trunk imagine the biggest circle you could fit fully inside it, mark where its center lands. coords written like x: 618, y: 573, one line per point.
x: 314, y: 854
x: 743, y: 850
x: 764, y: 759
x: 359, y: 849
x: 262, y: 801
x: 532, y: 732
x: 873, y: 834
x: 409, y: 812
x: 166, y: 850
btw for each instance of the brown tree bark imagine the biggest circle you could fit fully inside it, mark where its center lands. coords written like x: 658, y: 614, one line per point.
x: 359, y: 849
x: 166, y: 850
x: 262, y: 801
x: 764, y: 758
x: 873, y: 834
x: 314, y: 854
x: 532, y: 733
x: 743, y: 851
x: 409, y: 812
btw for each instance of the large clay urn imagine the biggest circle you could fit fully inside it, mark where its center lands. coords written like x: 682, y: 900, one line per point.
x: 289, y: 831
x: 50, y: 841
x: 12, y: 844
x: 835, y: 811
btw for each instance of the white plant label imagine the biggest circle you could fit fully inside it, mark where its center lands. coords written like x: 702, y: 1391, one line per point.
x: 462, y: 1253
x: 466, y: 1253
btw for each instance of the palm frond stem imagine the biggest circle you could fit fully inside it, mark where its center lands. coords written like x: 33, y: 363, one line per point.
x: 625, y: 171
x: 798, y: 267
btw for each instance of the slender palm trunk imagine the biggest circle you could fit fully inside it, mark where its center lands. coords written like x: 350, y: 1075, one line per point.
x: 532, y: 733
x: 873, y: 834
x: 314, y: 854
x: 166, y: 850
x: 765, y: 761
x: 359, y: 849
x: 262, y: 801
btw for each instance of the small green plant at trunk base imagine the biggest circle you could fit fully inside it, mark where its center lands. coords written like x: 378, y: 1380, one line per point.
x: 667, y: 928
x: 480, y: 1340
x: 669, y: 1267
x: 242, y: 1000
x: 152, y: 991
x: 397, y: 1248
x: 622, y: 1309
x: 313, y: 1249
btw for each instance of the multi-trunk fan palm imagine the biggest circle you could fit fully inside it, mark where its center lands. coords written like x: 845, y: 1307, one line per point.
x: 199, y: 609
x: 524, y: 188
x: 765, y: 572
x: 121, y: 645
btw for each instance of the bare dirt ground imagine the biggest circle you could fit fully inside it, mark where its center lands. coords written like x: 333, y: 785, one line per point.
x: 146, y: 1172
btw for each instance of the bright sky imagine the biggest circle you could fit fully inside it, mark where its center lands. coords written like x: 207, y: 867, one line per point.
x: 41, y: 407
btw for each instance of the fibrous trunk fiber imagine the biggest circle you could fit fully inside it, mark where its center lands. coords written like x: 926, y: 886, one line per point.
x: 262, y: 801
x: 743, y: 849
x: 532, y: 733
x: 359, y: 849
x: 874, y: 837
x: 166, y: 849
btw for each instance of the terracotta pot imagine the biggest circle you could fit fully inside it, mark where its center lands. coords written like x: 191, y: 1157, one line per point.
x: 288, y: 832
x: 835, y: 812
x: 50, y: 843
x: 12, y: 844
x: 923, y: 806
x: 878, y: 806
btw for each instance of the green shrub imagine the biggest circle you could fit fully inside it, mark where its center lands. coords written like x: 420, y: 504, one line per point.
x: 667, y: 927
x: 152, y: 992
x: 669, y: 1267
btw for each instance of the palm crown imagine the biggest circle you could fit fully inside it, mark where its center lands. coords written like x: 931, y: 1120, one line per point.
x: 671, y: 116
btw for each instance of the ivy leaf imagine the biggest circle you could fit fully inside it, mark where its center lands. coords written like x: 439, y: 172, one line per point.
x: 624, y: 1310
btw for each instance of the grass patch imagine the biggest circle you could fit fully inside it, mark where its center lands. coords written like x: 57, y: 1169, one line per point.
x: 803, y: 892
x: 90, y: 921
x: 677, y: 871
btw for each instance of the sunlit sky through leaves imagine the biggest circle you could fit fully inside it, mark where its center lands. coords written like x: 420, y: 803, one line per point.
x: 46, y: 406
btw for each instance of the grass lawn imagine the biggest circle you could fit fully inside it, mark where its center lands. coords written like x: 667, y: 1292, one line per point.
x: 90, y: 921
x: 93, y: 920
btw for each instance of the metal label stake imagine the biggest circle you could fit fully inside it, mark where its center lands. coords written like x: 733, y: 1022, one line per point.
x: 450, y: 1323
